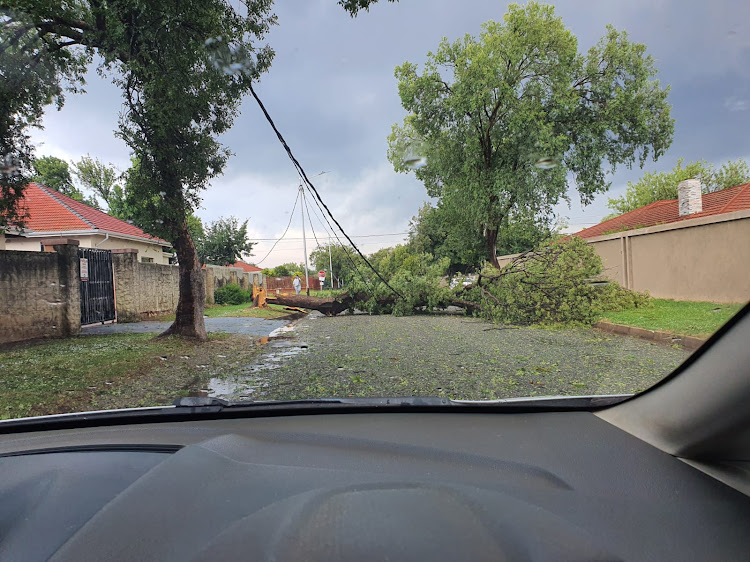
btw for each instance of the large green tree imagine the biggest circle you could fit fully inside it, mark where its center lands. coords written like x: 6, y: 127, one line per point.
x: 35, y: 72
x: 658, y: 186
x: 224, y: 241
x: 183, y: 68
x: 497, y: 124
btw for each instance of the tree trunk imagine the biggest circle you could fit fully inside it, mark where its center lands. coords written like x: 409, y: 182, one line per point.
x: 490, y: 236
x: 188, y: 322
x: 331, y: 306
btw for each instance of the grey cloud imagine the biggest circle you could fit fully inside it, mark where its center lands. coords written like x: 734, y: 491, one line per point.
x: 332, y: 93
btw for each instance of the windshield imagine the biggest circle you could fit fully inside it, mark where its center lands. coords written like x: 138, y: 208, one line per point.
x: 469, y: 200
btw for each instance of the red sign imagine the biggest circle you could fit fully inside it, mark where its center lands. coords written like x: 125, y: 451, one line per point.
x: 322, y: 274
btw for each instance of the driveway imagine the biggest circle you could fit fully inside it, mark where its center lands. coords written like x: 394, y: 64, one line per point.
x: 229, y: 325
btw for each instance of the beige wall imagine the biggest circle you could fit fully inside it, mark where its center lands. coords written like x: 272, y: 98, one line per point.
x: 91, y: 240
x: 143, y: 289
x: 39, y: 294
x: 703, y: 259
x: 2, y: 240
x: 23, y: 244
x: 145, y: 250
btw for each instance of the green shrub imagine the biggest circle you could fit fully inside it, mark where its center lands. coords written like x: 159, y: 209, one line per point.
x: 231, y: 294
x: 552, y: 284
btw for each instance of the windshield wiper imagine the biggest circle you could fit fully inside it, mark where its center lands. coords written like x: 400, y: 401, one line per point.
x: 221, y: 403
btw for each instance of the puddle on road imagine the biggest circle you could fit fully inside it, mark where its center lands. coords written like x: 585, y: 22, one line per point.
x: 252, y: 380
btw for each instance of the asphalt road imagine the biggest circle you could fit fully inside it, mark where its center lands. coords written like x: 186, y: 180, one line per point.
x: 230, y: 325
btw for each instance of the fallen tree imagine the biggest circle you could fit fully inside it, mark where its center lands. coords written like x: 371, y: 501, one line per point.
x: 331, y: 306
x: 555, y: 283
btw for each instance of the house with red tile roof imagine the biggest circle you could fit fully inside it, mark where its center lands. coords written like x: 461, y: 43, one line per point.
x: 694, y: 248
x: 246, y: 267
x: 668, y: 211
x: 52, y: 214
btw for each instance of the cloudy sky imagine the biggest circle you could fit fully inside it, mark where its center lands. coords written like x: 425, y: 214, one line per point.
x: 332, y: 93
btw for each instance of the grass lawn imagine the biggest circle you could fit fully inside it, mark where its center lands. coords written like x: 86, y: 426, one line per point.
x: 221, y: 310
x: 236, y: 310
x: 680, y: 317
x: 113, y: 371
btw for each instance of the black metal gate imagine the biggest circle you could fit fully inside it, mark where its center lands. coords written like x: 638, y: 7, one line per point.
x: 97, y: 286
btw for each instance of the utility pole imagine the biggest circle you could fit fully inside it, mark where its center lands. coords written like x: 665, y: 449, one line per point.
x: 304, y: 241
x: 330, y: 262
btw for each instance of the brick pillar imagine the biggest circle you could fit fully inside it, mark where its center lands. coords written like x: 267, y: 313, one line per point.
x: 125, y: 269
x: 69, y: 280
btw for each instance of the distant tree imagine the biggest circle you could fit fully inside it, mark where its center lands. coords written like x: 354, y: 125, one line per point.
x: 497, y: 125
x: 343, y: 259
x: 224, y: 241
x: 659, y: 186
x: 195, y: 225
x: 54, y: 173
x: 104, y: 181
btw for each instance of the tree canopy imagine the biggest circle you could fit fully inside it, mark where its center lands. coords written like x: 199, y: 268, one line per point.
x: 34, y: 73
x: 104, y: 181
x: 497, y: 124
x: 223, y: 242
x: 658, y: 186
x: 54, y: 173
x: 343, y: 260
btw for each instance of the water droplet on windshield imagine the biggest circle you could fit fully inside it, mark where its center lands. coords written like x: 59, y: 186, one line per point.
x: 546, y: 163
x: 416, y: 162
x: 414, y: 159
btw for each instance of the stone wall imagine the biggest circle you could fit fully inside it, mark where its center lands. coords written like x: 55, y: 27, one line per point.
x: 40, y: 293
x: 217, y: 276
x: 143, y: 289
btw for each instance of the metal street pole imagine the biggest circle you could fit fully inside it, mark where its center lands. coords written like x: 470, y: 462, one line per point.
x: 304, y: 240
x: 330, y: 262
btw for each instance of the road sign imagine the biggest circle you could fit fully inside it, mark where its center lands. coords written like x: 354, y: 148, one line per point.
x: 84, y: 269
x: 321, y: 276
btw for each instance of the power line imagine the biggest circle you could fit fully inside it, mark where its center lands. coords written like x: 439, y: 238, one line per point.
x: 291, y: 216
x: 301, y: 171
x: 355, y: 267
x: 334, y: 236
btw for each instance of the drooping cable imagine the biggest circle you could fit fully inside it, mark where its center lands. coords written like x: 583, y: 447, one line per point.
x: 346, y: 252
x: 291, y: 216
x: 301, y: 171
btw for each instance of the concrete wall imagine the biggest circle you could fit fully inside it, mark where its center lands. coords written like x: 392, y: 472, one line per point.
x: 149, y: 289
x: 145, y: 249
x: 143, y: 289
x: 702, y: 259
x: 20, y: 244
x: 39, y: 294
x: 217, y: 276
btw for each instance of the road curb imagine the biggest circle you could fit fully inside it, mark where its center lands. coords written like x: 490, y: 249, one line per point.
x: 690, y: 343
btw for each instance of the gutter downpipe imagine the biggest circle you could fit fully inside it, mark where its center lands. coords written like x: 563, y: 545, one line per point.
x: 106, y: 237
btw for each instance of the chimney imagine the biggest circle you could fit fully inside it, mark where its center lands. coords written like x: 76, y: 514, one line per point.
x: 689, y: 197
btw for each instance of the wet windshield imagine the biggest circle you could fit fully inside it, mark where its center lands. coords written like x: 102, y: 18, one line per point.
x: 315, y: 199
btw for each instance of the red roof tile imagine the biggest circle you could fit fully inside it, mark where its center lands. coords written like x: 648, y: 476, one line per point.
x: 735, y: 198
x: 51, y: 211
x: 245, y: 267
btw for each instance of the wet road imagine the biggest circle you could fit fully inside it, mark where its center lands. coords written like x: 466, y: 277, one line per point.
x: 230, y: 325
